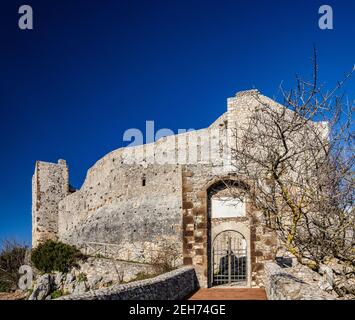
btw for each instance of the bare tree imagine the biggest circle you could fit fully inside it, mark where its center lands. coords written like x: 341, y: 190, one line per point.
x: 298, y: 157
x: 12, y: 256
x: 166, y: 258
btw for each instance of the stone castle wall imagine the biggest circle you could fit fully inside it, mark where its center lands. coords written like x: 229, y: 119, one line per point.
x: 136, y: 207
x: 133, y: 196
x: 143, y: 197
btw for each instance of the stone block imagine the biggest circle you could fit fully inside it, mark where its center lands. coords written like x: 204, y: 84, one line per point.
x: 188, y: 173
x: 187, y: 205
x: 202, y: 194
x: 188, y: 219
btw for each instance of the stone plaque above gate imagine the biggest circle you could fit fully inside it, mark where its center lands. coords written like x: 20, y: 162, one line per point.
x: 227, y: 207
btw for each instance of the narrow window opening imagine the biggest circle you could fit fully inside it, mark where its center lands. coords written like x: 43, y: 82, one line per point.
x: 143, y: 182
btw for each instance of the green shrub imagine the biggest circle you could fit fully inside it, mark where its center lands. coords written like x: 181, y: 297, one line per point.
x: 143, y: 276
x: 55, y: 256
x: 82, y: 277
x: 56, y: 294
x: 5, y: 286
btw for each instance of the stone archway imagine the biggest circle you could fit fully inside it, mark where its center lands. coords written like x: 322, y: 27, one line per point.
x: 228, y: 218
x: 198, y: 188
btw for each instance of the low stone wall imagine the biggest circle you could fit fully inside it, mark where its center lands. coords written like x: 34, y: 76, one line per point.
x: 174, y: 285
x: 293, y: 283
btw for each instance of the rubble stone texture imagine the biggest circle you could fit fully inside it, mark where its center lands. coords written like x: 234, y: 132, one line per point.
x: 294, y: 283
x: 174, y: 285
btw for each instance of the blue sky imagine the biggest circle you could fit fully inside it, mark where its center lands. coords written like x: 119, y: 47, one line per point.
x: 92, y: 69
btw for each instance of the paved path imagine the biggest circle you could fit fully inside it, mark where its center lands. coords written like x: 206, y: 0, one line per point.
x: 229, y: 294
x: 13, y: 296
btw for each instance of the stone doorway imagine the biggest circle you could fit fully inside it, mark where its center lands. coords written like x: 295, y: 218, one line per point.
x: 229, y: 260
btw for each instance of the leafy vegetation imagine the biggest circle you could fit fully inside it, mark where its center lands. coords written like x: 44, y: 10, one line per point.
x: 56, y: 294
x: 143, y: 276
x: 55, y: 256
x: 82, y: 277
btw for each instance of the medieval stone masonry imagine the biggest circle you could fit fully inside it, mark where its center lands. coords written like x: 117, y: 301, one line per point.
x: 171, y: 191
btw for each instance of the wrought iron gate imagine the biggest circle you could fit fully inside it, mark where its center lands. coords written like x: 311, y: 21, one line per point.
x: 229, y: 259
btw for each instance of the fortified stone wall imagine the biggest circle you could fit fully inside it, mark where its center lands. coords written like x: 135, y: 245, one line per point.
x: 113, y: 195
x: 50, y: 184
x: 145, y: 196
x: 136, y: 207
x: 133, y: 196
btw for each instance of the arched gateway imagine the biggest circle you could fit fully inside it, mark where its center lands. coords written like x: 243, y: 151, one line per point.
x: 229, y: 259
x: 229, y: 233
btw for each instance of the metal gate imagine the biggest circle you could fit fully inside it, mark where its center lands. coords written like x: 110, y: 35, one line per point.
x: 229, y: 259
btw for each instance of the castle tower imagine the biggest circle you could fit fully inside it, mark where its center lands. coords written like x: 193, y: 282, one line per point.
x: 50, y: 184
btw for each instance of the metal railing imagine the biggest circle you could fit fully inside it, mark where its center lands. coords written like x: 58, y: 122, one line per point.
x: 107, y: 250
